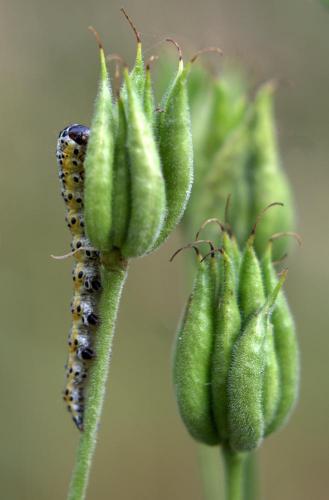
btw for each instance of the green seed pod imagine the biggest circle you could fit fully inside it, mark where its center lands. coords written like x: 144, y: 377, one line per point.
x: 245, y: 385
x: 267, y: 179
x: 286, y: 346
x: 138, y: 72
x: 227, y: 329
x: 121, y: 181
x: 227, y: 110
x: 99, y: 165
x: 225, y: 174
x: 231, y: 247
x: 175, y: 145
x: 149, y: 97
x: 251, y: 288
x: 246, y: 379
x: 192, y: 358
x: 148, y: 201
x: 271, y: 390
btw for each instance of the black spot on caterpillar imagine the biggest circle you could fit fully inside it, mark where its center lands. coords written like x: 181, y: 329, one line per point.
x: 71, y: 149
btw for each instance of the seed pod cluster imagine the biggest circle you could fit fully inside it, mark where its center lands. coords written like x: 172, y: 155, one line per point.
x: 236, y: 151
x: 125, y: 182
x: 138, y: 175
x: 236, y: 357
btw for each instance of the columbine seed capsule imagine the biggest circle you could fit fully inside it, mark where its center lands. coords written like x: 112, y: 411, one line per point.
x: 192, y: 358
x: 251, y: 288
x: 286, y: 347
x: 148, y: 96
x: 98, y: 165
x: 227, y: 329
x: 246, y: 379
x: 245, y: 385
x: 175, y: 144
x: 271, y: 390
x: 148, y: 202
x: 121, y: 181
x: 267, y: 180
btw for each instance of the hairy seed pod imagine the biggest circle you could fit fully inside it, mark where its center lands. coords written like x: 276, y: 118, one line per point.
x: 231, y: 247
x: 121, y: 181
x: 137, y: 74
x: 246, y: 379
x: 245, y: 385
x: 147, y: 191
x: 227, y: 110
x: 99, y: 165
x: 286, y: 346
x: 251, y: 288
x: 176, y: 152
x: 192, y: 358
x: 225, y: 174
x: 149, y: 97
x: 271, y: 389
x: 227, y: 329
x: 267, y: 180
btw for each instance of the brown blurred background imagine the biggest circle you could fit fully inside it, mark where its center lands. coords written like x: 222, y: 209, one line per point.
x: 49, y: 70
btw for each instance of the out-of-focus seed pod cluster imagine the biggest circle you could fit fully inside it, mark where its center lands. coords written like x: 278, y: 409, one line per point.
x: 236, y: 364
x: 139, y: 165
x: 236, y: 152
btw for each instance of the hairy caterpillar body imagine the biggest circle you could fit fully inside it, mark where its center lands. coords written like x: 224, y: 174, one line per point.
x: 71, y: 150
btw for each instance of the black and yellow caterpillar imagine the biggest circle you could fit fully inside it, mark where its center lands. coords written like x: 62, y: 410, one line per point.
x: 71, y: 149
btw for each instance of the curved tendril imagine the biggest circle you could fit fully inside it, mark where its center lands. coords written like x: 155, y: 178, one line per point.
x: 180, y: 53
x: 296, y: 236
x: 208, y: 221
x: 260, y: 215
x: 212, y: 253
x: 184, y: 248
x: 278, y: 261
x: 96, y: 35
x: 137, y: 33
x: 204, y: 51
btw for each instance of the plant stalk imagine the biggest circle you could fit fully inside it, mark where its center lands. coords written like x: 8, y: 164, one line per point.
x: 114, y: 273
x: 211, y: 481
x: 234, y: 473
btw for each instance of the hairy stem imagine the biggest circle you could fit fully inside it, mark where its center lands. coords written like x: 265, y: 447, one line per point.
x: 234, y: 474
x: 114, y: 272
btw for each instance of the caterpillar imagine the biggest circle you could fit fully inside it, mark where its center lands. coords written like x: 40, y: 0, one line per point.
x: 71, y: 149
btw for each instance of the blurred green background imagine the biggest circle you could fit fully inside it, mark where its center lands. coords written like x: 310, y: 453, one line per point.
x: 49, y: 70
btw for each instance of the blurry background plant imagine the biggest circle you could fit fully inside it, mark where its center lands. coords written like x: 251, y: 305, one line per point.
x: 49, y: 73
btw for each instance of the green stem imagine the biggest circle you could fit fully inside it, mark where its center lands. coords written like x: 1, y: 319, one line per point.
x: 208, y: 460
x: 251, y: 477
x: 114, y: 272
x: 234, y: 474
